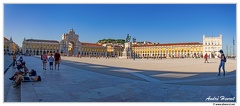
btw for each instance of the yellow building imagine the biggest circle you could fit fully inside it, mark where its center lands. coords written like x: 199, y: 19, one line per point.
x: 37, y: 47
x: 170, y: 50
x: 114, y: 50
x: 10, y: 46
x: 6, y: 45
x: 69, y: 45
x: 92, y: 50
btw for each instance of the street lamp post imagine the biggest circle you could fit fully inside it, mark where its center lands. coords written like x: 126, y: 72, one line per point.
x: 233, y: 47
x: 134, y: 41
x: 133, y: 49
x: 134, y: 53
x: 227, y: 50
x: 230, y: 52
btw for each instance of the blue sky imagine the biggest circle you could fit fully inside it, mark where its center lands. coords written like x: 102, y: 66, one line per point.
x: 163, y: 23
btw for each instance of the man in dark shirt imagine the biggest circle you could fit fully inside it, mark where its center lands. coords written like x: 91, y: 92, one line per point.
x: 57, y: 58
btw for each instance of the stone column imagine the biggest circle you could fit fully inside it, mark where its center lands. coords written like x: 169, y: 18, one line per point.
x: 75, y: 50
x: 23, y: 48
x: 10, y: 47
x: 60, y: 48
x: 66, y: 48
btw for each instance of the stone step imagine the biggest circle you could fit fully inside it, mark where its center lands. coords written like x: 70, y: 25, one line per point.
x: 28, y: 93
x: 14, y: 94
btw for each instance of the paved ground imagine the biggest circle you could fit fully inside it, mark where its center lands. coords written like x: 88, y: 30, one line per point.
x: 126, y: 80
x: 7, y: 61
x: 7, y: 86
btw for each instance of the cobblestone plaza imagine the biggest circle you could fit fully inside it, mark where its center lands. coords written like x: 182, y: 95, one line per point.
x: 125, y: 80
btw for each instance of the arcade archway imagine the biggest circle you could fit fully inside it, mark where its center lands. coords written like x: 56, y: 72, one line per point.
x: 71, y: 48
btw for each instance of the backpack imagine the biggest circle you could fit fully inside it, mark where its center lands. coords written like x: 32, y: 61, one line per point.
x: 33, y: 73
x: 225, y: 59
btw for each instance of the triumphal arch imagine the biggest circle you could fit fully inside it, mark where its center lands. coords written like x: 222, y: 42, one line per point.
x: 70, y: 44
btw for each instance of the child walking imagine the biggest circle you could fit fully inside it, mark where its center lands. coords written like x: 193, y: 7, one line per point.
x: 51, y: 59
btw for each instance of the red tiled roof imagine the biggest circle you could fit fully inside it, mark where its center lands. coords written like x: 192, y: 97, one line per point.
x: 37, y: 40
x: 90, y: 44
x: 170, y: 44
x: 5, y: 38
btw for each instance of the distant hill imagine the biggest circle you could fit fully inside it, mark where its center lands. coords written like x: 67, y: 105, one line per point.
x: 113, y: 41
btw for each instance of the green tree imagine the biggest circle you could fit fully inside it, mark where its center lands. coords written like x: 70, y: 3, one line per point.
x: 113, y: 41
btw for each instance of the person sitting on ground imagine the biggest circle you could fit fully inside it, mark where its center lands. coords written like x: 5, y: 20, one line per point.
x: 19, y: 66
x: 21, y: 78
x: 21, y: 59
x: 32, y: 78
x: 19, y: 72
x: 25, y: 69
x: 17, y: 80
x: 32, y: 73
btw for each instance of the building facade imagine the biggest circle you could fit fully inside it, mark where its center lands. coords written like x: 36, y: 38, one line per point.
x: 211, y: 45
x: 10, y: 47
x: 170, y: 50
x: 92, y: 50
x: 37, y: 47
x: 114, y: 50
x: 71, y: 46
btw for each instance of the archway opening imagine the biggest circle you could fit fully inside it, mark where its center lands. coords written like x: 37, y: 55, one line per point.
x: 71, y: 48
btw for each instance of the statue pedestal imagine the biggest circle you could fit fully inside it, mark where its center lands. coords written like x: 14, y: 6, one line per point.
x: 127, y: 52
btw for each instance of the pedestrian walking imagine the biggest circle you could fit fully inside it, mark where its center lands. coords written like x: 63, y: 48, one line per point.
x: 222, y: 63
x: 206, y: 58
x: 51, y: 59
x: 14, y: 59
x: 57, y: 58
x: 44, y: 60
